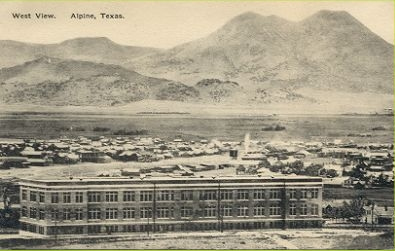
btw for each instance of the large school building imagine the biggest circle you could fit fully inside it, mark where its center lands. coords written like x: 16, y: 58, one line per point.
x: 94, y: 206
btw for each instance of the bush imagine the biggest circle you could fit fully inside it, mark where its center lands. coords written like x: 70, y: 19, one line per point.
x: 101, y: 129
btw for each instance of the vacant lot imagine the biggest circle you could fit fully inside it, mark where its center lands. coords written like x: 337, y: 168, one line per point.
x: 303, y: 128
x: 381, y: 195
x: 265, y: 239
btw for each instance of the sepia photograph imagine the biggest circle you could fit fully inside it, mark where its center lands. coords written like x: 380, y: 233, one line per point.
x: 204, y: 125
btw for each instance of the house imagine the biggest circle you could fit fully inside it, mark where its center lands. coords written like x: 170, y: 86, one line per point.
x: 18, y: 162
x: 93, y: 156
x: 381, y: 215
x: 354, y: 182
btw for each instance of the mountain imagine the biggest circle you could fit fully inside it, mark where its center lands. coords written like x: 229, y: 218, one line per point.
x: 328, y: 59
x: 53, y: 81
x: 95, y: 49
x: 328, y: 51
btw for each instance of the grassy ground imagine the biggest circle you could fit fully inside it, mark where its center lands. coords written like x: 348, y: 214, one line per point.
x: 265, y: 239
x: 380, y: 195
x: 298, y: 127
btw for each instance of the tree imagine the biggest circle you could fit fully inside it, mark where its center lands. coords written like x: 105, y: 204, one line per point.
x: 331, y: 173
x: 354, y: 209
x: 296, y: 167
x: 313, y: 170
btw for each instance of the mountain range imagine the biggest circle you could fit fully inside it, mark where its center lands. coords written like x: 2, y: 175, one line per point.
x: 252, y: 59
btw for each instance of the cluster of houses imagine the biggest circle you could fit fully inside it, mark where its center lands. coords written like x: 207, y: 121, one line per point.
x: 34, y: 152
x: 325, y: 159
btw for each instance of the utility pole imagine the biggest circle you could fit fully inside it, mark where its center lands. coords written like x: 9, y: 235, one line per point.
x: 148, y: 226
x: 154, y: 208
x: 372, y: 214
x: 219, y: 211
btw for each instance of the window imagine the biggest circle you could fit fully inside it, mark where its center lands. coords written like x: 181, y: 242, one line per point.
x: 24, y: 212
x: 292, y: 209
x: 128, y: 213
x: 55, y: 215
x: 259, y: 194
x: 314, y: 193
x: 210, y: 211
x: 226, y: 194
x: 242, y: 211
x: 79, y: 197
x: 165, y: 195
x: 33, y: 196
x: 41, y: 230
x: 146, y: 196
x: 33, y: 213
x: 186, y: 195
x: 111, y: 196
x: 94, y: 229
x: 292, y: 193
x: 66, y: 214
x: 242, y: 195
x: 314, y: 209
x: 227, y: 211
x: 129, y: 196
x: 274, y: 209
x: 208, y: 195
x: 303, y: 194
x: 186, y: 211
x: 274, y: 194
x: 94, y: 197
x: 79, y: 214
x: 66, y: 197
x: 94, y: 214
x: 24, y: 195
x: 303, y: 209
x: 259, y: 211
x: 54, y: 197
x: 145, y: 212
x: 41, y: 197
x: 163, y: 212
x: 41, y: 214
x: 111, y: 213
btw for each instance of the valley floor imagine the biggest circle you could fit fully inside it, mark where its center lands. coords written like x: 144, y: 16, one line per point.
x: 266, y: 239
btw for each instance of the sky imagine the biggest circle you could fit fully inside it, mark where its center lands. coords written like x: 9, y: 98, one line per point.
x: 167, y: 24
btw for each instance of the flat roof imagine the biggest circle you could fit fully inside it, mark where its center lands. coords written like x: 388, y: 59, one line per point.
x: 169, y: 180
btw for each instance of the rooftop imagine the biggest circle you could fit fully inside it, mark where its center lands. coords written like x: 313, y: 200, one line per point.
x: 170, y: 180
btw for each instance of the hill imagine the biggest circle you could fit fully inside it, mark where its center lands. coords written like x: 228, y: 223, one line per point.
x: 53, y: 81
x: 95, y: 49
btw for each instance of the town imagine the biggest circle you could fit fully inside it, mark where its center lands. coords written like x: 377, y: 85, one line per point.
x: 360, y: 171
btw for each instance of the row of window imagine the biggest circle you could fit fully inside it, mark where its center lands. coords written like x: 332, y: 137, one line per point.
x: 165, y: 195
x: 164, y: 212
x: 190, y: 226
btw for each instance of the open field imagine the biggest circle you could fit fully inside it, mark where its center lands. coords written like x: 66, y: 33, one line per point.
x: 381, y: 195
x: 264, y: 239
x: 298, y: 127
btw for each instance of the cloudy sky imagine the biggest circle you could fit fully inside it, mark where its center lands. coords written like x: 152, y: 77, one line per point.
x: 166, y: 24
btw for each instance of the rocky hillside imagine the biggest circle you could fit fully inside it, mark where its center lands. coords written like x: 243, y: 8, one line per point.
x: 329, y: 50
x: 251, y: 60
x: 53, y: 81
x: 96, y: 49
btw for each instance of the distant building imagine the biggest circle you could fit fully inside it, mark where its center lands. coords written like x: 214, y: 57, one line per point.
x: 93, y: 156
x: 379, y: 215
x: 94, y: 206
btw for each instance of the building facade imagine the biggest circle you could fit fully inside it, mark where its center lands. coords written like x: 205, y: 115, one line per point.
x: 94, y: 206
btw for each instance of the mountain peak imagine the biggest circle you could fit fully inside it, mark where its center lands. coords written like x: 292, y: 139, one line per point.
x: 88, y: 40
x: 252, y: 17
x: 247, y: 15
x: 331, y: 17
